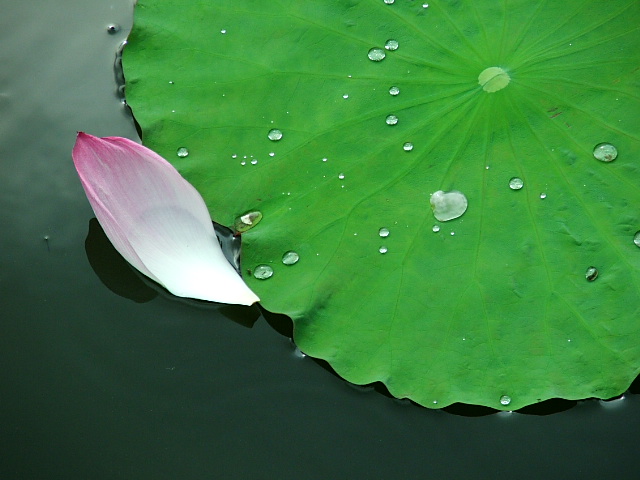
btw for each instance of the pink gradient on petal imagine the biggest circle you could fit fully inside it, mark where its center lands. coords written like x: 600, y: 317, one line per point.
x: 156, y: 219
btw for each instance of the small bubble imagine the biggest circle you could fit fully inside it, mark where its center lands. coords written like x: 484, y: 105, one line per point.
x: 543, y: 195
x: 636, y: 239
x: 376, y: 54
x: 394, y: 91
x: 391, y: 44
x: 516, y: 183
x: 341, y: 176
x: 290, y: 257
x: 274, y: 135
x: 448, y: 205
x: 383, y: 232
x: 182, y: 152
x: 262, y: 272
x: 505, y: 400
x: 383, y: 249
x: 391, y: 120
x: 591, y: 274
x: 605, y: 152
x: 247, y: 221
x: 436, y: 228
x: 407, y: 147
x: 113, y: 28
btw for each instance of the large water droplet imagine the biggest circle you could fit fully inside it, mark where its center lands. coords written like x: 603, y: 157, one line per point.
x: 247, y: 221
x: 591, y: 274
x: 505, y: 400
x: 516, y: 183
x: 274, y: 135
x: 391, y: 120
x: 605, y: 152
x: 493, y: 79
x: 383, y: 249
x: 448, y: 205
x: 407, y: 147
x: 391, y: 44
x: 262, y: 272
x: 376, y: 54
x: 182, y: 152
x: 384, y: 232
x: 290, y: 257
x: 636, y: 238
x: 394, y: 91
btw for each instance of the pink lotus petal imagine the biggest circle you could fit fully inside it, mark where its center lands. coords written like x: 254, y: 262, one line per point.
x: 156, y: 219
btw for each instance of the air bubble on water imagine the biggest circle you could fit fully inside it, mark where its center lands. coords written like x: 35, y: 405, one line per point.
x: 384, y: 232
x: 247, y: 221
x: 262, y: 272
x: 605, y: 152
x: 394, y: 91
x: 391, y: 44
x: 290, y: 257
x: 407, y: 147
x: 113, y: 28
x: 636, y: 239
x: 591, y: 274
x: 274, y: 135
x: 376, y: 54
x: 341, y: 176
x: 448, y: 205
x: 516, y: 183
x: 505, y: 400
x: 436, y: 228
x: 391, y: 120
x: 383, y: 249
x: 182, y: 152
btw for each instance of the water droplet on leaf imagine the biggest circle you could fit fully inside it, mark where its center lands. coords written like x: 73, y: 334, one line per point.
x: 605, y: 152
x: 516, y: 183
x: 493, y: 79
x: 376, y: 54
x: 290, y: 257
x: 436, y: 228
x: 247, y: 221
x: 383, y: 232
x: 389, y: 2
x: 636, y: 238
x: 391, y: 120
x: 505, y: 400
x: 113, y: 28
x: 262, y: 272
x: 448, y: 205
x: 391, y: 44
x: 274, y: 135
x: 341, y: 176
x: 383, y: 249
x: 182, y: 152
x: 543, y: 195
x: 591, y: 274
x: 407, y: 147
x: 394, y: 91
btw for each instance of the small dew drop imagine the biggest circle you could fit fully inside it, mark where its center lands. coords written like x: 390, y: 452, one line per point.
x: 436, y: 228
x: 636, y: 239
x: 407, y: 147
x: 391, y: 120
x: 425, y: 5
x: 182, y: 152
x: 389, y: 2
x: 262, y: 272
x: 247, y: 221
x: 274, y: 135
x: 290, y: 258
x: 235, y: 155
x: 391, y: 44
x: 516, y: 183
x: 605, y: 152
x: 383, y: 249
x: 345, y: 96
x: 324, y: 159
x: 591, y: 274
x: 448, y: 205
x: 254, y: 161
x: 243, y: 163
x: 543, y: 195
x: 505, y: 400
x: 376, y: 54
x: 384, y: 232
x: 341, y: 176
x: 394, y: 91
x: 272, y: 154
x: 223, y: 31
x: 113, y: 28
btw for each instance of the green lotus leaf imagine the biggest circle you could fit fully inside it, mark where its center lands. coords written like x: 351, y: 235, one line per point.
x: 336, y: 119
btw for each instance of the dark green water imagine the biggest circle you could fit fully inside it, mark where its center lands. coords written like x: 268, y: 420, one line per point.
x: 94, y: 385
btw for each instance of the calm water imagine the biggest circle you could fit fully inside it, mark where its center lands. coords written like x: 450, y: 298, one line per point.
x: 95, y: 385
